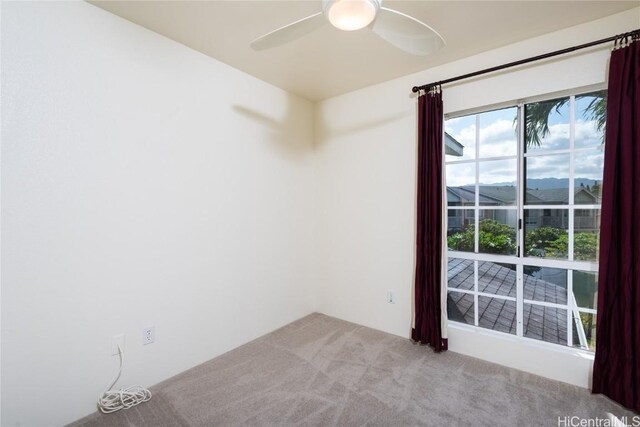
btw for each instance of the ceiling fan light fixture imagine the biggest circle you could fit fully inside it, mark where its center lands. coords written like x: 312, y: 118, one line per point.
x: 350, y: 15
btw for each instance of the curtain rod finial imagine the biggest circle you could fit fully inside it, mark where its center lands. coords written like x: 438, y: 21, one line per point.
x: 415, y: 89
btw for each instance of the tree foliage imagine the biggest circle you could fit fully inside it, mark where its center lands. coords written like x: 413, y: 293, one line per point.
x: 537, y: 119
x: 537, y: 115
x: 540, y: 241
x: 494, y: 238
x: 585, y: 246
x: 497, y: 238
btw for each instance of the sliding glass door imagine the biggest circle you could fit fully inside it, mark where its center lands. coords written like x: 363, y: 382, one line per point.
x: 523, y: 207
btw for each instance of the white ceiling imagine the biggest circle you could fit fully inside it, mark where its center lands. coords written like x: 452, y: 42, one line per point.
x: 330, y: 62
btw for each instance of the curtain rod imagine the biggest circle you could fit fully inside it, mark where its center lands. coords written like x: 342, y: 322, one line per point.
x: 634, y: 35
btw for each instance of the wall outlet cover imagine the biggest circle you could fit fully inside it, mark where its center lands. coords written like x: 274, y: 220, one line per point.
x: 391, y: 297
x: 148, y: 335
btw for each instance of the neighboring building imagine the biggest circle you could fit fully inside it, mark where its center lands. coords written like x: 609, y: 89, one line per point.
x: 586, y: 220
x: 451, y: 146
x: 489, y: 196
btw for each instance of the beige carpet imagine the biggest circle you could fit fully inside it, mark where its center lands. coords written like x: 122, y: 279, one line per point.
x: 324, y: 371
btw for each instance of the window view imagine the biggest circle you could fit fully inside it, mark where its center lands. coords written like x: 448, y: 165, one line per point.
x: 524, y: 187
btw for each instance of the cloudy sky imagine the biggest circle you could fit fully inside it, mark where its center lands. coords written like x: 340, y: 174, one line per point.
x: 498, y: 139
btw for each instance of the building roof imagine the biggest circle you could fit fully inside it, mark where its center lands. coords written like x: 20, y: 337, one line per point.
x: 489, y: 195
x: 543, y: 323
x: 506, y: 195
x: 452, y: 147
x: 551, y: 196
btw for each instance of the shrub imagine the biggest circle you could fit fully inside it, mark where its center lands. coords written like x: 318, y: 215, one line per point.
x: 494, y: 238
x: 497, y: 238
x: 538, y: 241
x: 585, y: 246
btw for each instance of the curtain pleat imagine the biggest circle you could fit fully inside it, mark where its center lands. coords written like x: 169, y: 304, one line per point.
x: 428, y: 277
x: 616, y: 370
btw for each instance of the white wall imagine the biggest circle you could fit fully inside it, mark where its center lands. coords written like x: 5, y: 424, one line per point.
x: 143, y: 184
x: 146, y: 184
x: 366, y: 175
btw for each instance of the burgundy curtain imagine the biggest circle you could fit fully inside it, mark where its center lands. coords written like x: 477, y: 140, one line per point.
x: 616, y: 371
x: 427, y: 329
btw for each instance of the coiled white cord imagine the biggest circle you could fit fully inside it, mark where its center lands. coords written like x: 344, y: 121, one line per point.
x: 114, y: 400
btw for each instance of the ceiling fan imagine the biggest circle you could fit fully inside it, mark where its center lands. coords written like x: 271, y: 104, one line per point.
x: 402, y: 31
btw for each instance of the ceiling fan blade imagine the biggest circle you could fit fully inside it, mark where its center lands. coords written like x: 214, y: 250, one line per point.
x: 405, y: 32
x: 289, y: 32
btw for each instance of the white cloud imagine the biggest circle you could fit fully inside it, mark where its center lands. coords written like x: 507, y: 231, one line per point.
x: 557, y: 139
x: 553, y: 166
x: 498, y: 171
x: 587, y: 134
x: 451, y: 124
x: 461, y: 174
x: 498, y: 139
x: 465, y: 135
x: 589, y: 164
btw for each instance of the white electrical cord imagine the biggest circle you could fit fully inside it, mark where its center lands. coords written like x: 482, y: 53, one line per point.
x: 114, y: 400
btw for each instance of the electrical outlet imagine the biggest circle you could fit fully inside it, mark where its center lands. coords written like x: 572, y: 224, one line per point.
x: 148, y: 335
x: 391, y: 298
x: 117, y: 340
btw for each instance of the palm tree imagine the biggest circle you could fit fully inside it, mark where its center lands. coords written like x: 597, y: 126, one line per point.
x: 537, y: 115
